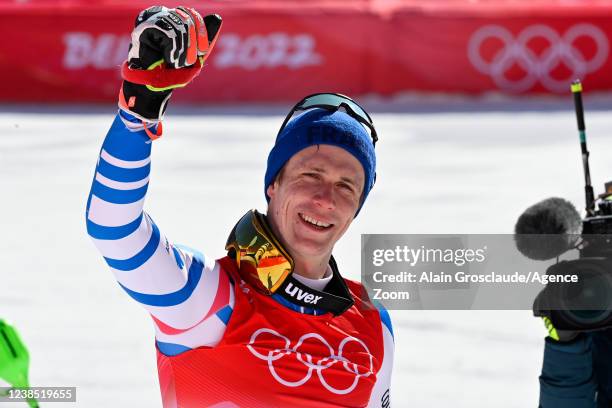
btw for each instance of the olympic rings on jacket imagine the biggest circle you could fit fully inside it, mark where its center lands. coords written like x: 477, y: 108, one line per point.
x: 307, y: 359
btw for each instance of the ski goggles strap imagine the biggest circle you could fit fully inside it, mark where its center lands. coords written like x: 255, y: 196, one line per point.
x: 299, y: 294
x: 261, y: 259
x: 333, y: 102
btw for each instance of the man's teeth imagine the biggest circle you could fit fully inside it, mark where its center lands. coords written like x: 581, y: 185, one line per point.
x: 315, y: 222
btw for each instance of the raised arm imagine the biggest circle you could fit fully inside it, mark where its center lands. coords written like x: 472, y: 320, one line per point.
x: 179, y: 288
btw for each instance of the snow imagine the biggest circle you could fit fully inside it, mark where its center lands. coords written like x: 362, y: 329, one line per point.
x: 449, y: 170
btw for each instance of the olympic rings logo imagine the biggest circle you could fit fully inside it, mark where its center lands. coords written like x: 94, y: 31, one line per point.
x: 538, y: 68
x: 307, y: 360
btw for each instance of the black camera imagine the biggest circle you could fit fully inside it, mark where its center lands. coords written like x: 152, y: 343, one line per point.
x: 585, y: 304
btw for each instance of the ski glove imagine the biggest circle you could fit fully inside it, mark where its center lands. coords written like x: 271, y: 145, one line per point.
x: 168, y: 50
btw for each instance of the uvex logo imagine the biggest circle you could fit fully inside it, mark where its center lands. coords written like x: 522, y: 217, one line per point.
x: 301, y: 295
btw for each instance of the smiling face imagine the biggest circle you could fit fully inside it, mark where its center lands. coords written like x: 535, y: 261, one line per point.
x: 314, y: 200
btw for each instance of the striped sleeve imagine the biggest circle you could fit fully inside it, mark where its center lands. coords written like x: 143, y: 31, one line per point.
x: 381, y: 394
x: 188, y: 296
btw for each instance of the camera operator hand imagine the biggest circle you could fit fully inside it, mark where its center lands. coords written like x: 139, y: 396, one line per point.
x: 168, y: 50
x: 562, y: 336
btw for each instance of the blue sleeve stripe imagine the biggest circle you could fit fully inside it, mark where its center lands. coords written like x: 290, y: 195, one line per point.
x: 225, y: 314
x: 126, y: 145
x: 141, y: 257
x: 385, y: 318
x: 112, y: 233
x: 122, y: 174
x: 194, y: 252
x: 171, y: 349
x: 114, y: 196
x: 177, y: 258
x: 174, y: 298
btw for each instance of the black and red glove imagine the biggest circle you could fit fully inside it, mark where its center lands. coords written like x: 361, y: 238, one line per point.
x: 168, y: 50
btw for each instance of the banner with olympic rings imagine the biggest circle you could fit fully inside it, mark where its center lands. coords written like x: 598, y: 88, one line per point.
x: 280, y: 51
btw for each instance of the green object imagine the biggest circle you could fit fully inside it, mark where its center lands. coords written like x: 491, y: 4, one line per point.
x: 576, y: 87
x: 562, y: 336
x: 552, y: 332
x: 14, y: 359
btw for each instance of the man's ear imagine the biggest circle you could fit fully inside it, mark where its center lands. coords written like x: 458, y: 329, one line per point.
x: 271, y: 190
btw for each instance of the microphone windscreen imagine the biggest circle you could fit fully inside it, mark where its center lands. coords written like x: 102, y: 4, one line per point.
x: 555, y: 217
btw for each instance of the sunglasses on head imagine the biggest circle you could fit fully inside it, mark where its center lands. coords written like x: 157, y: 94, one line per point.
x: 333, y: 102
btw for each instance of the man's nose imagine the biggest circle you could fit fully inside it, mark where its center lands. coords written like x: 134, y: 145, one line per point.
x: 324, y: 196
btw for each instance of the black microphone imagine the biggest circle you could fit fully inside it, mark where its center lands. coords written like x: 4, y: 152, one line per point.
x: 554, y: 216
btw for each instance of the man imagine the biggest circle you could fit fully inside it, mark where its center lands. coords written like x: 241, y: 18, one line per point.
x: 272, y: 324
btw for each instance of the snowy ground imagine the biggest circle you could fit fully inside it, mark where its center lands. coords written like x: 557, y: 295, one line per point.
x: 444, y: 170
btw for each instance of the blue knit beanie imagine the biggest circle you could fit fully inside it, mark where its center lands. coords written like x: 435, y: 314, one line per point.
x: 320, y: 126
